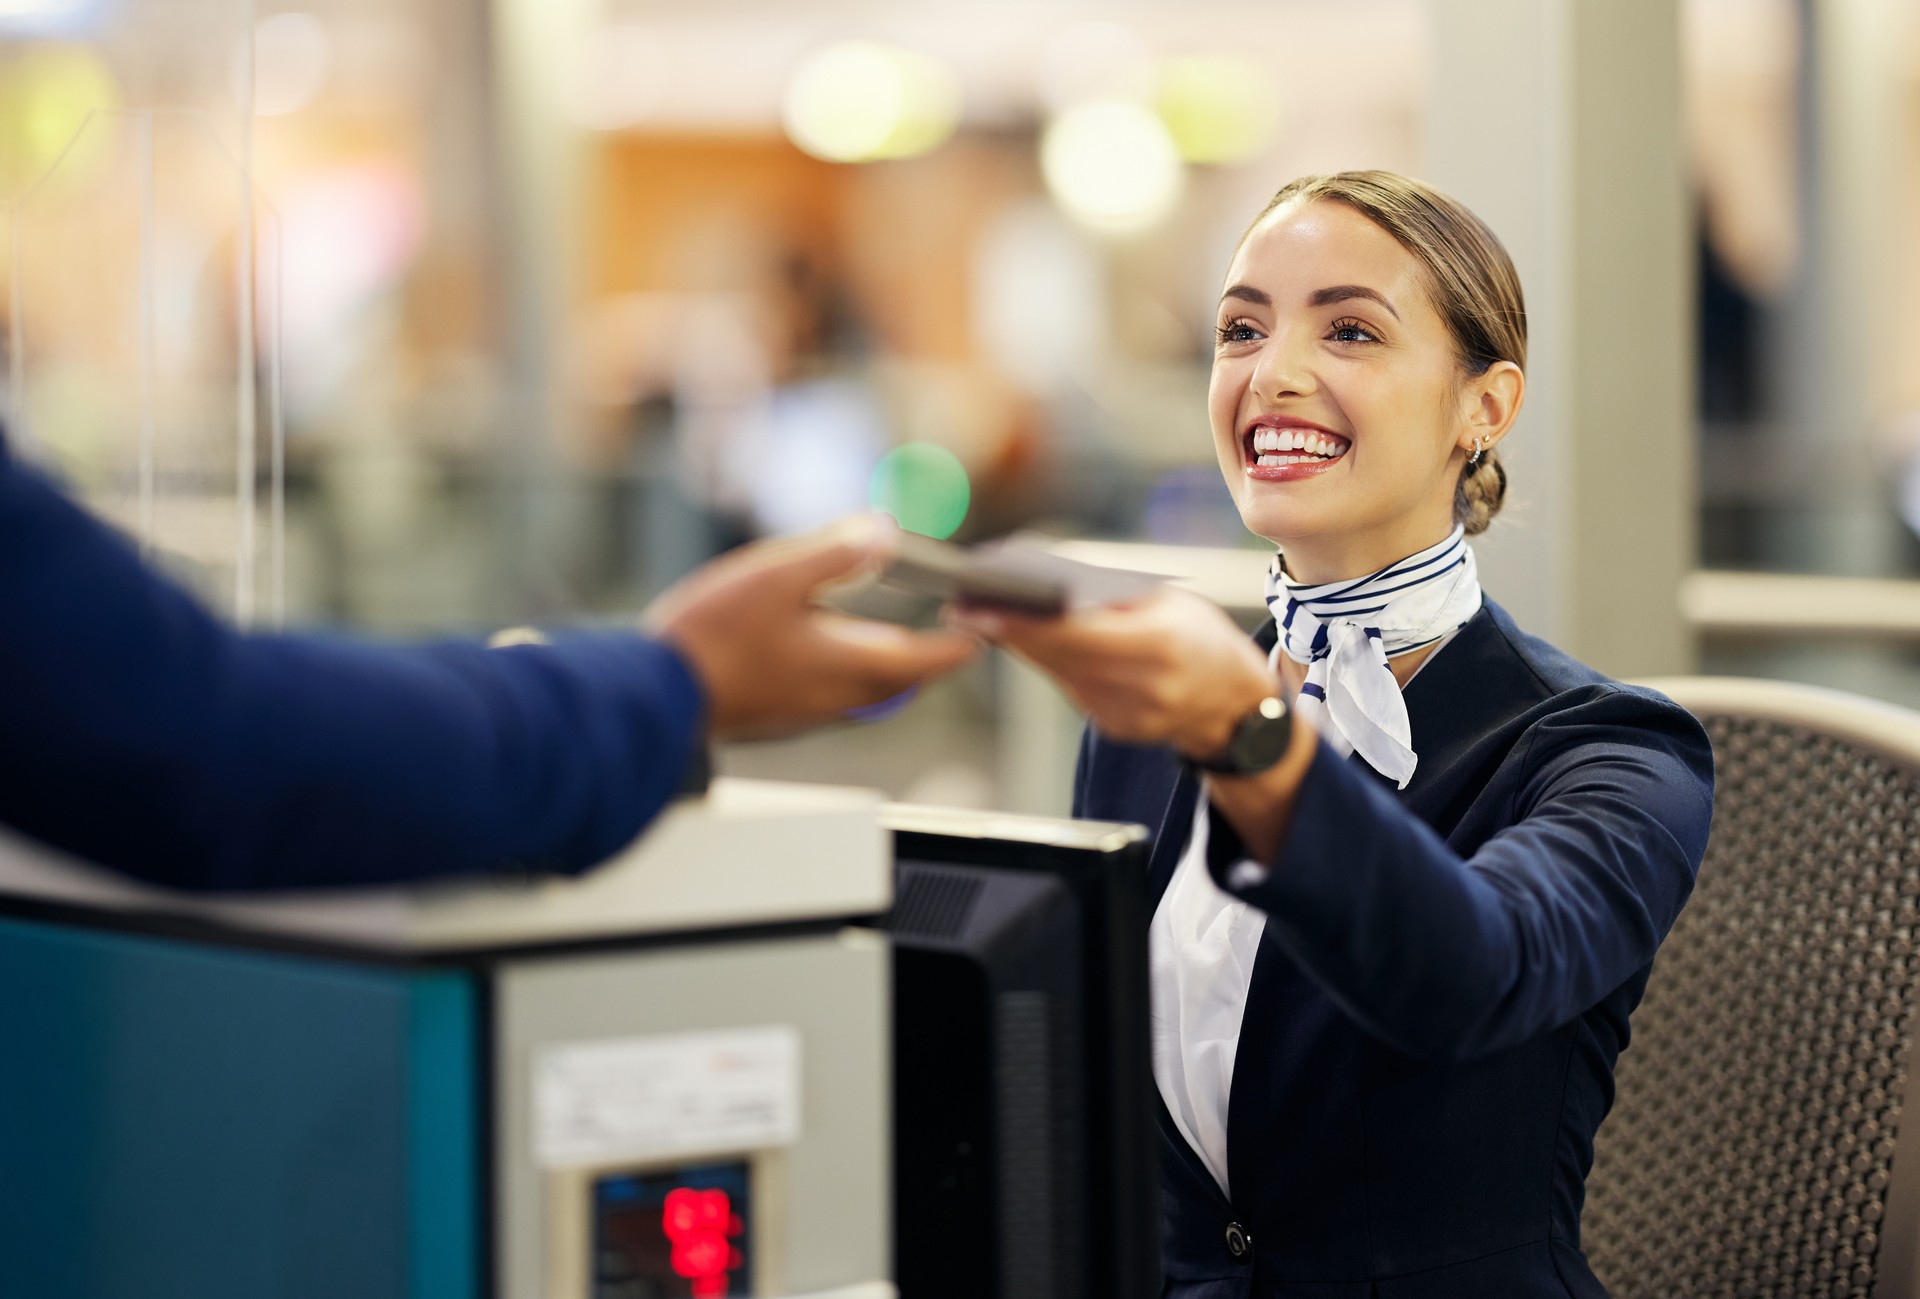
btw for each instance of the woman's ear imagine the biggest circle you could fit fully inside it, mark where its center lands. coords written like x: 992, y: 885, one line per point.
x: 1493, y: 402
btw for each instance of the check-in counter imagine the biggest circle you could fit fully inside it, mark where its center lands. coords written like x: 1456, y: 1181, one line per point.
x: 667, y: 1077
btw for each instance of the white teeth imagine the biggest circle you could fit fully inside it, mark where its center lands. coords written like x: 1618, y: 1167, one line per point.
x: 1270, y: 443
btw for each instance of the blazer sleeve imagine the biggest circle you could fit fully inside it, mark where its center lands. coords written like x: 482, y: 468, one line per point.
x: 1451, y: 957
x: 138, y: 731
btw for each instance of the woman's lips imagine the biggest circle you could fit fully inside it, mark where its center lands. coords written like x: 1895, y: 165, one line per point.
x: 1285, y: 452
x: 1304, y: 467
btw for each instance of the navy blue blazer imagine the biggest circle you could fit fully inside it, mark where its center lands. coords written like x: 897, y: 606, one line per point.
x: 141, y: 733
x: 1443, y: 985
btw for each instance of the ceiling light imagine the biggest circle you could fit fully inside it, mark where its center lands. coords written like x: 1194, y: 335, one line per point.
x: 861, y: 101
x: 1219, y: 109
x: 1112, y: 166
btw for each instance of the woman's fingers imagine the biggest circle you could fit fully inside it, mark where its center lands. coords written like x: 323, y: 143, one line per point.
x: 1171, y: 668
x: 1102, y: 643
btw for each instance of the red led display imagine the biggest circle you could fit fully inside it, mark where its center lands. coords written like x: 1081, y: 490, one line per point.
x: 682, y: 1233
x: 701, y: 1224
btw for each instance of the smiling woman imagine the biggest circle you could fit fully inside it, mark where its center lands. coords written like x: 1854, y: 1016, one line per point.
x: 1413, y: 864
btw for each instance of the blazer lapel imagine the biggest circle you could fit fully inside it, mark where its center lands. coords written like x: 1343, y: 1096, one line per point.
x: 1171, y: 840
x: 1474, y: 688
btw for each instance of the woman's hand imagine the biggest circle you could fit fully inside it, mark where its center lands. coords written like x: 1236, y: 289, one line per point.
x: 1170, y: 669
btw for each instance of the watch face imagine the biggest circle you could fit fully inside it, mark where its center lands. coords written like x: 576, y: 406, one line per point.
x: 1260, y: 739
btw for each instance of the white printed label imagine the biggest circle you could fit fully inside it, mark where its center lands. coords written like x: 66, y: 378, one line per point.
x: 642, y: 1098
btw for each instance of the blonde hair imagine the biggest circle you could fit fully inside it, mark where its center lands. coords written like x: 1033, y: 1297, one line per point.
x: 1470, y: 278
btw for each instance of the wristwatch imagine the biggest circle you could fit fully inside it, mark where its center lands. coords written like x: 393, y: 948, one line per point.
x: 1260, y: 739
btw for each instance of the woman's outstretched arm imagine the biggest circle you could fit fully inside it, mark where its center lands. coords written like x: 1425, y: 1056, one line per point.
x: 1439, y: 954
x: 1451, y: 957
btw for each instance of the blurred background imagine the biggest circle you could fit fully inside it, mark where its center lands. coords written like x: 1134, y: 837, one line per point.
x: 429, y: 316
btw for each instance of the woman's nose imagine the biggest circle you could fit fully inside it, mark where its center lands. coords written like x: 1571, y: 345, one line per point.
x: 1282, y: 369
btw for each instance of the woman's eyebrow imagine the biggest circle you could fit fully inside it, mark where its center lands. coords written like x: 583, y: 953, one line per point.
x: 1346, y: 293
x: 1247, y: 293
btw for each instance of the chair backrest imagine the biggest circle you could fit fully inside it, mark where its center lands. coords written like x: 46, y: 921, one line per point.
x: 1755, y: 1148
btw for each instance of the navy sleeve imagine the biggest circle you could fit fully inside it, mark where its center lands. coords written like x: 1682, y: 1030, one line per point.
x: 141, y: 733
x: 1449, y: 957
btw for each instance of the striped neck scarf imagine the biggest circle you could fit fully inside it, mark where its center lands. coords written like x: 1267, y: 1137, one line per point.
x: 1346, y: 631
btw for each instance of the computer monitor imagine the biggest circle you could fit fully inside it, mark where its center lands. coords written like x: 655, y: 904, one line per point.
x: 1024, y: 1158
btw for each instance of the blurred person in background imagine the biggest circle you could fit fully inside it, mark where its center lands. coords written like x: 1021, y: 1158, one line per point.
x: 1412, y: 863
x: 139, y: 732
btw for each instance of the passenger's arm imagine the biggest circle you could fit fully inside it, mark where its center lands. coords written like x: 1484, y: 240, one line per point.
x: 141, y: 733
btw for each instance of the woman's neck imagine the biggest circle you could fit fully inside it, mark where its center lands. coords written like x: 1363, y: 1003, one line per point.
x: 1317, y: 561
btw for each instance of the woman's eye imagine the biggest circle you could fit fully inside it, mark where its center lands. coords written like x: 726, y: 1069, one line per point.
x: 1235, y: 331
x: 1351, y: 331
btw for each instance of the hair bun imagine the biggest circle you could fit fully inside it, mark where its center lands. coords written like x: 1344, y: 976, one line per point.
x: 1480, y: 493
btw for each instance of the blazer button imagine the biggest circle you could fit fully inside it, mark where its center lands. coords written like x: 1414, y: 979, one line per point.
x: 1239, y: 1244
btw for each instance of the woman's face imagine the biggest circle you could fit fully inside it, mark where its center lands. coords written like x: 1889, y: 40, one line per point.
x: 1337, y: 403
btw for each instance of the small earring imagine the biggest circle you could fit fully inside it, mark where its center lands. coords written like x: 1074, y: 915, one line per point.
x: 1473, y: 461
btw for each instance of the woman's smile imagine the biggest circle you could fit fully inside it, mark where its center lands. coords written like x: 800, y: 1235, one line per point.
x: 1282, y: 449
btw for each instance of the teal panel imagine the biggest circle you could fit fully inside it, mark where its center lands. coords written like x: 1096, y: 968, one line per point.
x: 188, y: 1122
x: 443, y: 1101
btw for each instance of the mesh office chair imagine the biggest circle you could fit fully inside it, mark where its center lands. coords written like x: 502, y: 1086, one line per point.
x: 1755, y: 1148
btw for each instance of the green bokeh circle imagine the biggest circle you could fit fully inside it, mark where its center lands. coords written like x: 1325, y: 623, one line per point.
x: 924, y: 487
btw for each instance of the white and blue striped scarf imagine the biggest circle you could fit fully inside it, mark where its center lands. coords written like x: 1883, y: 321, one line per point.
x: 1344, y: 632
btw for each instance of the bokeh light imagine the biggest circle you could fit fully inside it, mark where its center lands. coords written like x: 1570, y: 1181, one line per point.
x: 1218, y: 109
x: 292, y: 60
x: 862, y: 101
x: 924, y: 487
x: 45, y: 97
x: 1112, y: 166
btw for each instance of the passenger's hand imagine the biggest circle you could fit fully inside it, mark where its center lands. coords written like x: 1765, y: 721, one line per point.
x: 1170, y: 669
x: 771, y: 661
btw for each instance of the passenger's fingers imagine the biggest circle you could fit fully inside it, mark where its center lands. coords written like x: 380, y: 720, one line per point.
x: 799, y: 565
x: 886, y: 655
x: 883, y: 642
